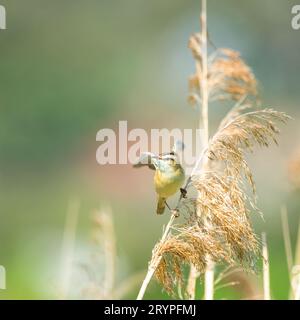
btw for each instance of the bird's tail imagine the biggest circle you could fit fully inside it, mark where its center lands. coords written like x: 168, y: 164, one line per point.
x: 161, y: 204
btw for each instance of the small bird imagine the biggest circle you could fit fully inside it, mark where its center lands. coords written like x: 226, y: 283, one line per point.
x: 169, y: 175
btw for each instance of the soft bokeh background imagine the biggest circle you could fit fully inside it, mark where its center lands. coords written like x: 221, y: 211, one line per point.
x: 71, y: 68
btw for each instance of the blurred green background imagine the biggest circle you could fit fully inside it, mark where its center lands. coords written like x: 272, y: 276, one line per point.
x: 71, y: 68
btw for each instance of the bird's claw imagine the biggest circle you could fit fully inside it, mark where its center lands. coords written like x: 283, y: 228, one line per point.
x: 175, y: 213
x: 183, y: 192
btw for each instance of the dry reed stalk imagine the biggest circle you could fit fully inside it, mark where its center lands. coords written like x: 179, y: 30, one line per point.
x: 155, y: 261
x: 202, y: 80
x: 209, y: 280
x: 266, y: 268
x: 288, y: 247
x: 68, y: 245
x: 287, y: 238
x: 209, y: 272
x: 202, y: 73
x: 293, y: 266
x: 294, y: 177
x: 191, y: 284
x: 187, y: 245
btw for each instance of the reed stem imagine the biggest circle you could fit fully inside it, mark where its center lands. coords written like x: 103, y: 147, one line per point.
x: 203, y: 123
x: 297, y: 264
x: 209, y: 272
x: 266, y: 268
x: 155, y: 262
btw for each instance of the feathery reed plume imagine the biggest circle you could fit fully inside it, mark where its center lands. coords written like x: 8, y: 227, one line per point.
x: 222, y: 203
x: 189, y: 244
x: 217, y: 225
x: 222, y: 197
x: 239, y: 134
x: 229, y: 77
x: 104, y: 235
x: 105, y: 285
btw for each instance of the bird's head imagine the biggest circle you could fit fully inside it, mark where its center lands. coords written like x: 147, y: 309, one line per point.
x: 168, y: 161
x: 163, y: 162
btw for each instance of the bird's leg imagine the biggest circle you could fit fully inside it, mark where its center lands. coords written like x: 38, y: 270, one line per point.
x: 183, y: 192
x: 168, y: 206
x: 175, y: 212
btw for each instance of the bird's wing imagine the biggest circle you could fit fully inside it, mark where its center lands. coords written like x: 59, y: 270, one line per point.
x: 145, y: 159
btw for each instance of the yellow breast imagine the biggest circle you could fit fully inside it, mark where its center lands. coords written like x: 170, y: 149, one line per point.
x: 167, y: 184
